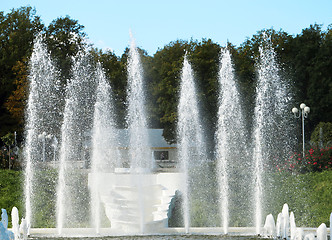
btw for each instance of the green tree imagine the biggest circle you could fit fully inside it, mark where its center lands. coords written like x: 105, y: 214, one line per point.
x: 304, y: 52
x: 15, y: 103
x: 205, y: 60
x: 115, y: 71
x: 245, y: 60
x: 151, y: 99
x: 319, y: 88
x: 65, y: 37
x: 166, y: 69
x: 17, y: 31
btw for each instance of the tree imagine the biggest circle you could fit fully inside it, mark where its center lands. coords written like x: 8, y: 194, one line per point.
x: 166, y: 69
x: 64, y: 38
x: 16, y: 101
x: 245, y: 60
x: 115, y: 71
x: 319, y: 88
x: 17, y: 31
x: 305, y: 47
x: 205, y: 60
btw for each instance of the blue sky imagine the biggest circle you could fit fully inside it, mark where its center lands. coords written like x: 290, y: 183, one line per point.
x: 156, y: 23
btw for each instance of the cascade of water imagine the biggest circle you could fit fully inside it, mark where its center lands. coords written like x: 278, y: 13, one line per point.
x: 76, y: 123
x: 271, y: 133
x: 41, y: 115
x: 230, y: 133
x: 139, y: 152
x: 191, y: 146
x: 103, y: 141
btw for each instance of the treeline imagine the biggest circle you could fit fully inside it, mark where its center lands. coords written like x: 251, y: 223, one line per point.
x: 305, y: 60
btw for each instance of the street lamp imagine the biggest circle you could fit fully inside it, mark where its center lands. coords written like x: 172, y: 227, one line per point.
x: 43, y: 136
x: 54, y: 145
x: 305, y: 110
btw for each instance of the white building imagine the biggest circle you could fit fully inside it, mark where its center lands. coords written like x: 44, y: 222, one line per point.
x: 164, y: 154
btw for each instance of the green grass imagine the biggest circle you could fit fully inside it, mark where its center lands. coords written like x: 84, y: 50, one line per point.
x: 308, y: 196
x: 11, y: 191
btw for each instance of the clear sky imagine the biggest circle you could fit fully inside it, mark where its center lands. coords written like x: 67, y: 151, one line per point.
x: 155, y: 23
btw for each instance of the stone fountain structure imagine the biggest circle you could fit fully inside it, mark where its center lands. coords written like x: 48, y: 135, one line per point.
x: 136, y: 200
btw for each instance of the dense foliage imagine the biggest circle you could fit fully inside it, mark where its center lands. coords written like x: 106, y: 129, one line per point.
x: 17, y: 30
x: 322, y: 135
x: 308, y: 196
x: 306, y: 61
x: 315, y: 160
x: 11, y: 192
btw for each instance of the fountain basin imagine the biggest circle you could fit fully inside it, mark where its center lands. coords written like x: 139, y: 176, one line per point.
x: 204, y: 233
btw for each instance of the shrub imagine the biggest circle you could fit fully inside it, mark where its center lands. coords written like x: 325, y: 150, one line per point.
x: 322, y: 134
x: 11, y: 191
x: 308, y: 196
x: 316, y: 160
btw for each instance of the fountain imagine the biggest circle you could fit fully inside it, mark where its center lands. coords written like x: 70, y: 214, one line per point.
x: 272, y: 104
x: 134, y: 197
x: 77, y: 120
x: 18, y: 231
x: 191, y: 145
x: 140, y: 157
x: 103, y: 141
x: 42, y: 116
x: 230, y: 138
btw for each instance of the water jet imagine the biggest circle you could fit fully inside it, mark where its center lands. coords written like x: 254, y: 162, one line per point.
x: 134, y: 197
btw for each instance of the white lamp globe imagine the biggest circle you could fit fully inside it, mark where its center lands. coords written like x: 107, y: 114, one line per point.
x: 306, y: 109
x: 302, y: 106
x: 295, y: 110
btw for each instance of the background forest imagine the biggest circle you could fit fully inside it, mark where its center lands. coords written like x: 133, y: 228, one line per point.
x: 305, y: 59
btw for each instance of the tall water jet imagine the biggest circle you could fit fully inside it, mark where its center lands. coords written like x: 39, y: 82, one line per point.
x: 191, y: 145
x: 41, y: 116
x: 77, y: 121
x: 139, y: 153
x: 271, y: 133
x: 103, y: 141
x: 230, y: 135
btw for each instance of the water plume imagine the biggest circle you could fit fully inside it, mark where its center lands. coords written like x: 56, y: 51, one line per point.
x: 272, y: 134
x: 191, y: 145
x: 230, y: 136
x: 104, y: 137
x: 77, y: 121
x: 139, y: 153
x: 140, y: 157
x: 41, y: 117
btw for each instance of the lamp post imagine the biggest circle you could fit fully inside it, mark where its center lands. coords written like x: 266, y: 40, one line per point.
x: 43, y: 136
x: 55, y: 146
x: 305, y: 110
